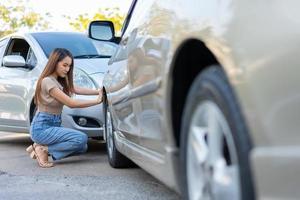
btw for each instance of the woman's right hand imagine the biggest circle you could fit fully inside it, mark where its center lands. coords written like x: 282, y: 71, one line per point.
x: 100, y: 96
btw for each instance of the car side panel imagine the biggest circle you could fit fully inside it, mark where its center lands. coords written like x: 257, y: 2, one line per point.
x: 256, y: 42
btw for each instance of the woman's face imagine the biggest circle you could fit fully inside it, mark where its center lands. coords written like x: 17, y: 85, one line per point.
x: 63, y: 67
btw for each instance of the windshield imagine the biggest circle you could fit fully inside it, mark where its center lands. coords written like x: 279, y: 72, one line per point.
x: 105, y: 48
x: 78, y: 44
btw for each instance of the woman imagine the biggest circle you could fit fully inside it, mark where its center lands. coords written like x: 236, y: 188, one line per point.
x: 53, y: 91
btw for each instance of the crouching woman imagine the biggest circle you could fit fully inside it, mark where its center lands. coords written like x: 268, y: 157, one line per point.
x: 53, y: 91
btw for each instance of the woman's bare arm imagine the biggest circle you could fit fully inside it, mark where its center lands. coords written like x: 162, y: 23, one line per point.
x: 72, y: 103
x: 85, y: 91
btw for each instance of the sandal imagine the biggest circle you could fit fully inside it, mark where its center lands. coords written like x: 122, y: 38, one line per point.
x: 31, y: 152
x: 41, y: 155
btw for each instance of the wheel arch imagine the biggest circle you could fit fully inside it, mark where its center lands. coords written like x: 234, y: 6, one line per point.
x: 191, y: 58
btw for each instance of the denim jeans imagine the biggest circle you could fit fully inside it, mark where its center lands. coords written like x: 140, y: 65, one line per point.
x: 62, y: 142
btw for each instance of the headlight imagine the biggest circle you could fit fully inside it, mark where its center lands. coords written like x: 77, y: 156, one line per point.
x: 81, y: 79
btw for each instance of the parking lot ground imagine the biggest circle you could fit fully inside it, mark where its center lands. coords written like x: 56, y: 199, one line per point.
x: 87, y: 176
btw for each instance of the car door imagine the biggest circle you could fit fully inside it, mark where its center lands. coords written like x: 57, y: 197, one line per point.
x: 146, y: 93
x: 118, y: 89
x: 146, y: 54
x: 15, y: 86
x: 3, y: 46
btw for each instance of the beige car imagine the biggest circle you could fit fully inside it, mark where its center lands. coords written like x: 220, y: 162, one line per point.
x: 205, y: 96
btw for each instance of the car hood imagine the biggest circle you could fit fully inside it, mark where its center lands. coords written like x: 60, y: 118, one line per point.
x: 92, y: 65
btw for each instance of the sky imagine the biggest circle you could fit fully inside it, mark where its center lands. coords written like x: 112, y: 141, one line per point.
x: 72, y: 8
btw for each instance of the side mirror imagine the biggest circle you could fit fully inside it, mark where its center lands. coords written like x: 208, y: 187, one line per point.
x: 102, y: 30
x: 14, y: 61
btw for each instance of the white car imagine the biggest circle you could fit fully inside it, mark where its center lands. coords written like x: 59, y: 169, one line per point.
x: 24, y: 56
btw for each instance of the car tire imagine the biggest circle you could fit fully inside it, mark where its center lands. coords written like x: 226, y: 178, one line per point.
x: 214, y: 141
x: 115, y: 158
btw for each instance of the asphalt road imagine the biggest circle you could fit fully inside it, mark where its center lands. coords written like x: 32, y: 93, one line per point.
x: 87, y: 176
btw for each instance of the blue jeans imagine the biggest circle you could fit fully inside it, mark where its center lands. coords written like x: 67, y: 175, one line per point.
x: 62, y: 142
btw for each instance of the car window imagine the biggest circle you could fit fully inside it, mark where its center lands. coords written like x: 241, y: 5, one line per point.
x: 128, y: 17
x: 77, y: 44
x: 105, y: 48
x: 18, y: 47
x: 137, y: 14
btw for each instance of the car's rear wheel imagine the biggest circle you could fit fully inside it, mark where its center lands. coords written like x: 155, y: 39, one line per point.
x: 214, y: 142
x: 115, y: 158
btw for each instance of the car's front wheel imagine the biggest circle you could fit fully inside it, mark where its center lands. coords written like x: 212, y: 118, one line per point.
x: 115, y: 158
x: 214, y: 142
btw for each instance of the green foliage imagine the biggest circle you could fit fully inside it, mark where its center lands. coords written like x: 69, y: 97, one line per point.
x: 81, y: 22
x: 14, y: 18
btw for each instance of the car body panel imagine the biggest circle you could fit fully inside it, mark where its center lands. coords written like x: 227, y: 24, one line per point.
x: 123, y: 109
x: 14, y: 95
x: 256, y: 43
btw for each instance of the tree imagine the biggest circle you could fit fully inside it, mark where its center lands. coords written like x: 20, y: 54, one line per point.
x: 14, y: 18
x: 81, y: 22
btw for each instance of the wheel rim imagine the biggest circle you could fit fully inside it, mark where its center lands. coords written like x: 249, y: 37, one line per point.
x: 212, y: 166
x: 109, y: 133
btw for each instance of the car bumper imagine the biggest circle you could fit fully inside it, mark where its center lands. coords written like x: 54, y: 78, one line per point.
x: 93, y: 116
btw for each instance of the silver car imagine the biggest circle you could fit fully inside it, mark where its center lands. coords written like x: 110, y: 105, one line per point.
x: 23, y: 57
x: 204, y: 95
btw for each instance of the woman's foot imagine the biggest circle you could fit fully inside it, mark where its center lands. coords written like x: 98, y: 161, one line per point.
x: 41, y: 153
x: 29, y: 150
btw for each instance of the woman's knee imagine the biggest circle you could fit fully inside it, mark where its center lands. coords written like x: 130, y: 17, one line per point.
x: 82, y: 146
x: 82, y: 139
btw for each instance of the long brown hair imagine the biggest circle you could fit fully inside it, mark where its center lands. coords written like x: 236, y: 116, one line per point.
x: 56, y: 56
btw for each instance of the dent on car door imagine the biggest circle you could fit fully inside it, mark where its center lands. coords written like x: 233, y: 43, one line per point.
x: 14, y: 86
x: 147, y: 54
x: 146, y: 77
x: 118, y: 88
